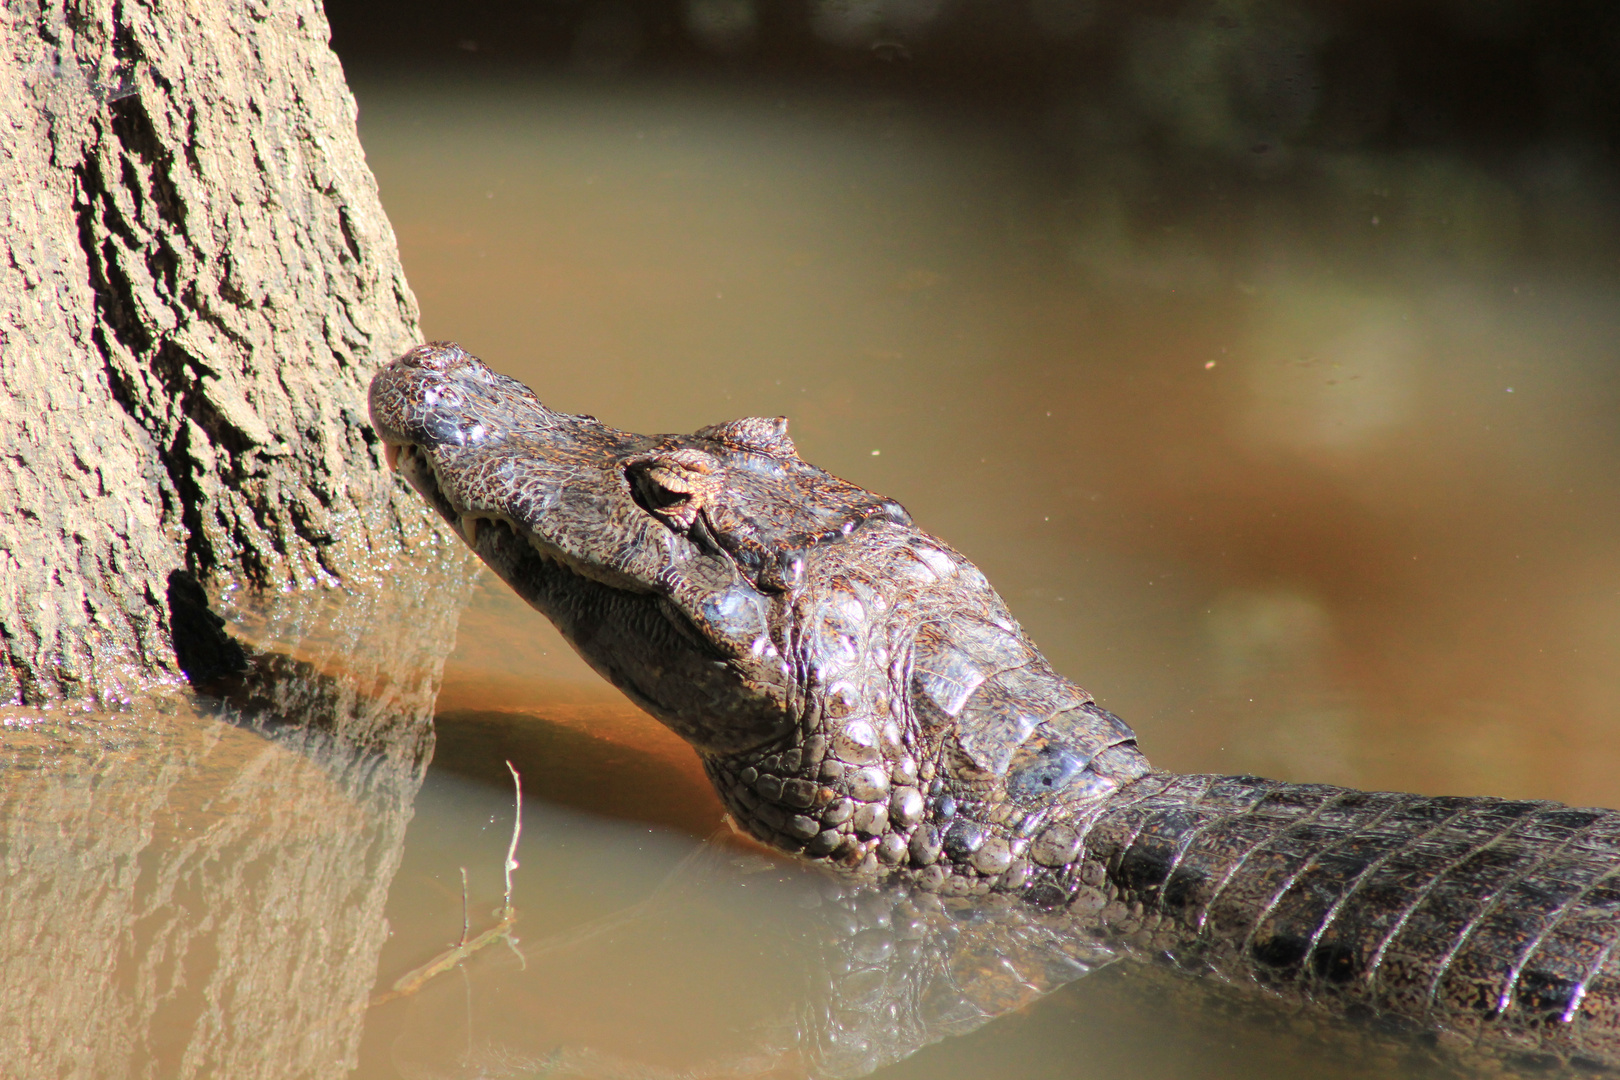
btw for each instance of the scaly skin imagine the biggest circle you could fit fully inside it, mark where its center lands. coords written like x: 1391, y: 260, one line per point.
x: 861, y: 697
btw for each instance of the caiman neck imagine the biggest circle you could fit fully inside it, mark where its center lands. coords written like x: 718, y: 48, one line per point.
x: 880, y: 796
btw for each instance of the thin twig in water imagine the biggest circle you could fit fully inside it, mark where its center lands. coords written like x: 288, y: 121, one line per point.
x: 413, y: 980
x: 512, y: 864
x: 464, y: 923
x: 517, y: 831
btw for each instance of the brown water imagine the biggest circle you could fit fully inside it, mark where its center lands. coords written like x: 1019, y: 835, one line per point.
x: 1307, y: 472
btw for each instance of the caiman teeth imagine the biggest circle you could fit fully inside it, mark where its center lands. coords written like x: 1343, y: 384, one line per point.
x: 391, y: 455
x: 469, y: 529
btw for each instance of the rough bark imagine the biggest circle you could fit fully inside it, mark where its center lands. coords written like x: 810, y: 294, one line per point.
x: 197, y: 284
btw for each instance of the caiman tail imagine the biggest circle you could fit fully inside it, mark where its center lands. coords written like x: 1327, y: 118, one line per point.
x: 1493, y: 920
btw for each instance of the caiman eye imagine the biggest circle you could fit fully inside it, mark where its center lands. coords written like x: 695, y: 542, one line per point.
x: 673, y: 486
x: 652, y: 495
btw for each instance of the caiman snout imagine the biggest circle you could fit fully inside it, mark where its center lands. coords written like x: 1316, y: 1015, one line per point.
x: 439, y: 395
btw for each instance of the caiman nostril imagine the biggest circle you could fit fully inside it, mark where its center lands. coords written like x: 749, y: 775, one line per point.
x: 435, y: 356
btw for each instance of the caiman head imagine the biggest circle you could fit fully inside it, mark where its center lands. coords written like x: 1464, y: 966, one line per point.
x: 856, y: 689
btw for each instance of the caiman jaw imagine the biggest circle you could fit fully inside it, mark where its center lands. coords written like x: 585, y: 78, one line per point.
x: 417, y: 467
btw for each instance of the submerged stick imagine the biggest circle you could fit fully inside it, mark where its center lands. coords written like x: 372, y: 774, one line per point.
x: 517, y: 831
x: 413, y: 980
x: 465, y: 925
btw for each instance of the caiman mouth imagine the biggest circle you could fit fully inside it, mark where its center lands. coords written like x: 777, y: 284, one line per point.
x: 410, y: 460
x: 546, y: 500
x: 514, y: 550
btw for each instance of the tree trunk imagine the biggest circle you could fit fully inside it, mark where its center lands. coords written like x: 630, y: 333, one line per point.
x: 198, y: 283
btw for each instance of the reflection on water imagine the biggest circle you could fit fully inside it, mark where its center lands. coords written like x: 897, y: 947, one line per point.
x: 185, y: 897
x: 736, y: 964
x: 196, y: 887
x: 1307, y: 472
x: 645, y: 954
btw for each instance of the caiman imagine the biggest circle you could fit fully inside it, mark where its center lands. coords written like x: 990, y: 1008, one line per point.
x: 862, y: 698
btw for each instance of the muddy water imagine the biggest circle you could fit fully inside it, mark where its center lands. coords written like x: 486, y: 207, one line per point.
x: 1305, y: 471
x: 1308, y: 473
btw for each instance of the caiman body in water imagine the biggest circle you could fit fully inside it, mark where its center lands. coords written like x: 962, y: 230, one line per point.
x: 861, y: 697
